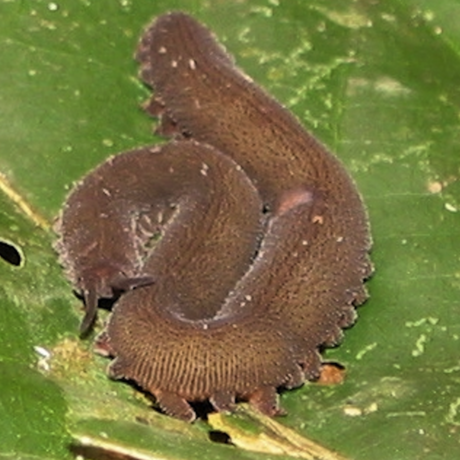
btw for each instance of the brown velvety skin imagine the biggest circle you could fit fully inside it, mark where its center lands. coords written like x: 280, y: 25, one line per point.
x: 111, y: 217
x: 262, y: 327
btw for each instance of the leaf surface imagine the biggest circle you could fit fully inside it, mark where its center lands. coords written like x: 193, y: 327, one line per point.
x: 376, y: 81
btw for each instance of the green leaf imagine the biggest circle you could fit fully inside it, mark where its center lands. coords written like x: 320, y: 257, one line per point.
x: 376, y: 81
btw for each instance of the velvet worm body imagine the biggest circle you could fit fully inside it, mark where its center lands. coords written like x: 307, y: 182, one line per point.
x: 264, y: 246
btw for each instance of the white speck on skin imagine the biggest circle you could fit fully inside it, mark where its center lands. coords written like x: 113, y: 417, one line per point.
x: 174, y: 64
x: 192, y: 64
x: 162, y: 50
x: 204, y: 169
x: 247, y: 77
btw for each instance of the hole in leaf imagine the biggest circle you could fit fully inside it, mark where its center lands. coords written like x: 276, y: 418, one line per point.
x: 220, y: 437
x: 201, y: 408
x: 10, y: 254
